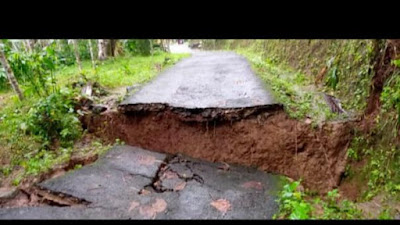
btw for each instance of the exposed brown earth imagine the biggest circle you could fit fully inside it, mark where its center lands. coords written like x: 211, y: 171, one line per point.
x: 268, y: 140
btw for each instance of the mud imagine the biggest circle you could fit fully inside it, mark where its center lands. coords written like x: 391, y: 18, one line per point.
x: 266, y: 139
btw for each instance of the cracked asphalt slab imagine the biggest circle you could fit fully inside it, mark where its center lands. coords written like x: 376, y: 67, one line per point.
x: 206, y: 80
x: 133, y: 183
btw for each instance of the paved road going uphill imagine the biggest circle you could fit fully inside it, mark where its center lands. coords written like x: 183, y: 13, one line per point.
x: 206, y: 80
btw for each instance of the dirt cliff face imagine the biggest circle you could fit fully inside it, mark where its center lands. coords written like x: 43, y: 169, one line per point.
x: 268, y: 140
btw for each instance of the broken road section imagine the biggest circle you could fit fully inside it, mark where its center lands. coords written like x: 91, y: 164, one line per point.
x: 132, y: 183
x: 213, y: 107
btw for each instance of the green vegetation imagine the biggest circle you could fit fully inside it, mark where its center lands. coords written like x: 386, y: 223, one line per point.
x: 43, y: 131
x: 122, y: 71
x: 381, y: 173
x: 380, y: 147
x: 53, y: 118
x: 43, y: 161
x: 295, y: 204
x: 139, y: 47
x: 33, y: 68
x: 65, y: 52
x: 391, y: 100
x: 293, y: 89
x: 292, y: 204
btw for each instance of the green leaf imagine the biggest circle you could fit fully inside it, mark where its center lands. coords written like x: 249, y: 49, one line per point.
x: 396, y: 62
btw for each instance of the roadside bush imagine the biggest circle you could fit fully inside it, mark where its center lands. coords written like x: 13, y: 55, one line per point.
x: 66, y: 53
x: 53, y: 119
x: 295, y: 204
x: 292, y: 204
x: 138, y: 46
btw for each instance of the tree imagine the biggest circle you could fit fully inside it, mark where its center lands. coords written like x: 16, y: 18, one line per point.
x: 165, y: 44
x: 107, y: 47
x: 78, y: 60
x: 112, y: 47
x: 103, y: 49
x: 115, y: 48
x: 9, y: 72
x: 151, y: 47
x: 91, y: 54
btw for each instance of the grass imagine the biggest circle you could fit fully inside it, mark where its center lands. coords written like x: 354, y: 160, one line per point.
x: 121, y: 71
x: 41, y: 162
x: 293, y: 89
x: 20, y: 150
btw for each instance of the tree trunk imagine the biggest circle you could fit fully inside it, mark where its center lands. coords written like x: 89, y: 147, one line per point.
x: 164, y: 45
x: 167, y: 44
x: 91, y: 54
x: 10, y: 74
x: 103, y: 43
x: 78, y: 60
x: 151, y: 47
x: 115, y: 48
x: 112, y: 47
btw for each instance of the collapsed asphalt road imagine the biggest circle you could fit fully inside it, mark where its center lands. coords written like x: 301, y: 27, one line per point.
x: 132, y: 183
x: 210, y: 106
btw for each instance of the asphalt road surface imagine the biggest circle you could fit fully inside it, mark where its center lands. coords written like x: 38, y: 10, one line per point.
x: 206, y: 80
x: 187, y: 189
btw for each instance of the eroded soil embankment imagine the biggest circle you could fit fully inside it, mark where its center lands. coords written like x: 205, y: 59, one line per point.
x: 268, y: 140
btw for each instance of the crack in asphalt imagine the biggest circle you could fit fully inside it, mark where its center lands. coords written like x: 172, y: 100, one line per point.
x: 156, y: 183
x: 51, y: 198
x: 134, y: 174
